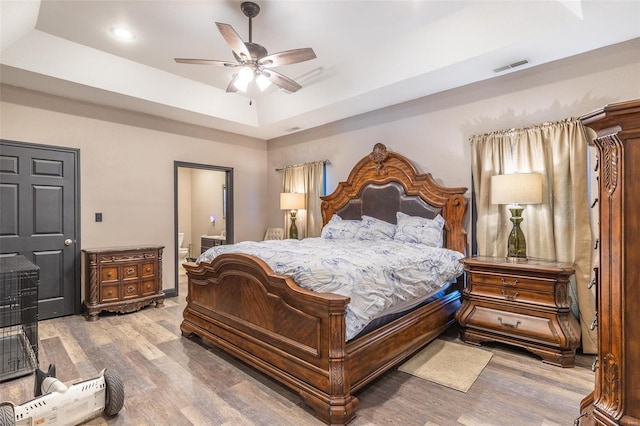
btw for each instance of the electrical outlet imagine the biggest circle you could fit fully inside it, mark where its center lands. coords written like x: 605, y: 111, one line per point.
x: 98, y: 217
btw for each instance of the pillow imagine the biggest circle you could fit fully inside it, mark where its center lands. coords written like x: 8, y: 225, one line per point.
x: 414, y: 229
x: 375, y: 229
x: 338, y: 229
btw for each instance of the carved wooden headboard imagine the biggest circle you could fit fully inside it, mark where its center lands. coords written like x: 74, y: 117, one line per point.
x: 385, y: 182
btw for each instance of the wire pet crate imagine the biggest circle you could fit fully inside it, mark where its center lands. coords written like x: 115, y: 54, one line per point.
x: 18, y: 317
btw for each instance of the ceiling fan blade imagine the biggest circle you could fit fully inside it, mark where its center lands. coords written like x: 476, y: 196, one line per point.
x: 231, y: 88
x: 234, y: 40
x: 281, y: 81
x: 206, y: 62
x: 287, y: 57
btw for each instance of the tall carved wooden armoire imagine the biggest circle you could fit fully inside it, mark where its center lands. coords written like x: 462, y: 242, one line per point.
x: 616, y: 398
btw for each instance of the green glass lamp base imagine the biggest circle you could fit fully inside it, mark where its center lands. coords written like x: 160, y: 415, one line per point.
x: 293, y: 229
x: 516, y: 243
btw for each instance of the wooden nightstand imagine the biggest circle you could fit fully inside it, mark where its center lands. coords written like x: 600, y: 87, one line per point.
x: 525, y: 304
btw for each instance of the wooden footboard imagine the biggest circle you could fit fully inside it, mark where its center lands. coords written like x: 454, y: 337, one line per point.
x: 297, y: 337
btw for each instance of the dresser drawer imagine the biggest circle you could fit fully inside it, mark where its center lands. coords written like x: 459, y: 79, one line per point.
x: 515, y: 294
x: 130, y: 290
x: 130, y: 272
x: 147, y: 287
x: 109, y: 274
x: 109, y: 293
x: 148, y: 269
x: 533, y: 328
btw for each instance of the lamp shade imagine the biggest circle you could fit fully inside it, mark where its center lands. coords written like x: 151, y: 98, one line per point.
x: 516, y: 188
x: 292, y: 201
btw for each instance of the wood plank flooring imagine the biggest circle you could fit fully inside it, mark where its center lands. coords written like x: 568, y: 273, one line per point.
x: 171, y: 380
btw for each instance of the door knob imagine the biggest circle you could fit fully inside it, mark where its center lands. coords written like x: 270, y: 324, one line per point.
x: 68, y: 242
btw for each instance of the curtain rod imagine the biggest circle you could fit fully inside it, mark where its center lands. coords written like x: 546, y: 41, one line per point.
x: 527, y: 128
x: 325, y: 162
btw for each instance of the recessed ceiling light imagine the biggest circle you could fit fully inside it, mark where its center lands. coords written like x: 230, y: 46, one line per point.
x: 122, y: 33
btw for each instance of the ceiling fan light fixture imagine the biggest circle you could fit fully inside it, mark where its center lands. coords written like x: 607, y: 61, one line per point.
x: 245, y: 76
x: 253, y: 59
x: 263, y: 82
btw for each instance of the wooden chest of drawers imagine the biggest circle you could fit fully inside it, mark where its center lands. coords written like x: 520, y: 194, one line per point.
x: 525, y: 304
x: 122, y: 279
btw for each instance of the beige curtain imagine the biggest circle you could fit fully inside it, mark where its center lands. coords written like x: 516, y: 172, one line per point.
x: 308, y: 179
x: 558, y: 228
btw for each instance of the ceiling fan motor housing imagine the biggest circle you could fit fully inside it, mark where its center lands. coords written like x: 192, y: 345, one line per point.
x: 255, y: 50
x: 250, y: 9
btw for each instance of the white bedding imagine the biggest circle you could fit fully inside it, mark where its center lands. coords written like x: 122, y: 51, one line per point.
x: 376, y: 275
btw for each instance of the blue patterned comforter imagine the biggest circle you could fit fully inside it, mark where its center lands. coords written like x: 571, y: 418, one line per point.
x: 375, y: 275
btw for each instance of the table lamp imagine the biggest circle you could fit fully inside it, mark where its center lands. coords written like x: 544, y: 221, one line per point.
x: 516, y: 189
x: 292, y: 201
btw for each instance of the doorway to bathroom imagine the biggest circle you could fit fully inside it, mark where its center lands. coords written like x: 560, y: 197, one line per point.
x: 203, y: 211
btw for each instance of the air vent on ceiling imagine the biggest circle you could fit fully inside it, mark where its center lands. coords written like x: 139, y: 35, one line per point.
x: 510, y: 66
x: 292, y: 129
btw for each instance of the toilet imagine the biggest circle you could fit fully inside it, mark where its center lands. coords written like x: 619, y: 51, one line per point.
x: 182, y: 251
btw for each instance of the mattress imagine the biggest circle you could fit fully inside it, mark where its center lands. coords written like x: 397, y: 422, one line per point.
x: 380, y: 278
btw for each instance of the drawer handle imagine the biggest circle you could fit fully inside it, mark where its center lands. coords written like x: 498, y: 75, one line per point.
x: 505, y: 282
x: 109, y: 274
x: 109, y: 293
x: 148, y: 269
x: 510, y: 297
x: 130, y: 271
x: 148, y: 286
x: 506, y: 324
x: 130, y: 289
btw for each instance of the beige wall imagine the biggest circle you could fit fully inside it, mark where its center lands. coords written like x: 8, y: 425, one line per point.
x: 127, y: 167
x: 433, y: 131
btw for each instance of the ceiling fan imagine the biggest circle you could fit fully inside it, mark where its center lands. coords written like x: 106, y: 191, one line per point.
x: 253, y: 59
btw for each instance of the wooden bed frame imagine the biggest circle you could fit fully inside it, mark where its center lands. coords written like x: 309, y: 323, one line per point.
x: 296, y: 336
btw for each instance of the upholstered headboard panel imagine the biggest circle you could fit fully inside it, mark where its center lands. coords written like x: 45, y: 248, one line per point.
x: 383, y: 201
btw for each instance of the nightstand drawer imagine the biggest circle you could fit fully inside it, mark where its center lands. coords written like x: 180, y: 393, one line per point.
x: 532, y: 328
x: 513, y: 294
x: 514, y: 281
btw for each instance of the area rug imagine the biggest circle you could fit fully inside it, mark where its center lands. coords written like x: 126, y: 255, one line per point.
x: 453, y: 365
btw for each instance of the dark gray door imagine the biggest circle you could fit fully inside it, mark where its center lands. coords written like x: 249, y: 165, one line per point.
x: 39, y: 190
